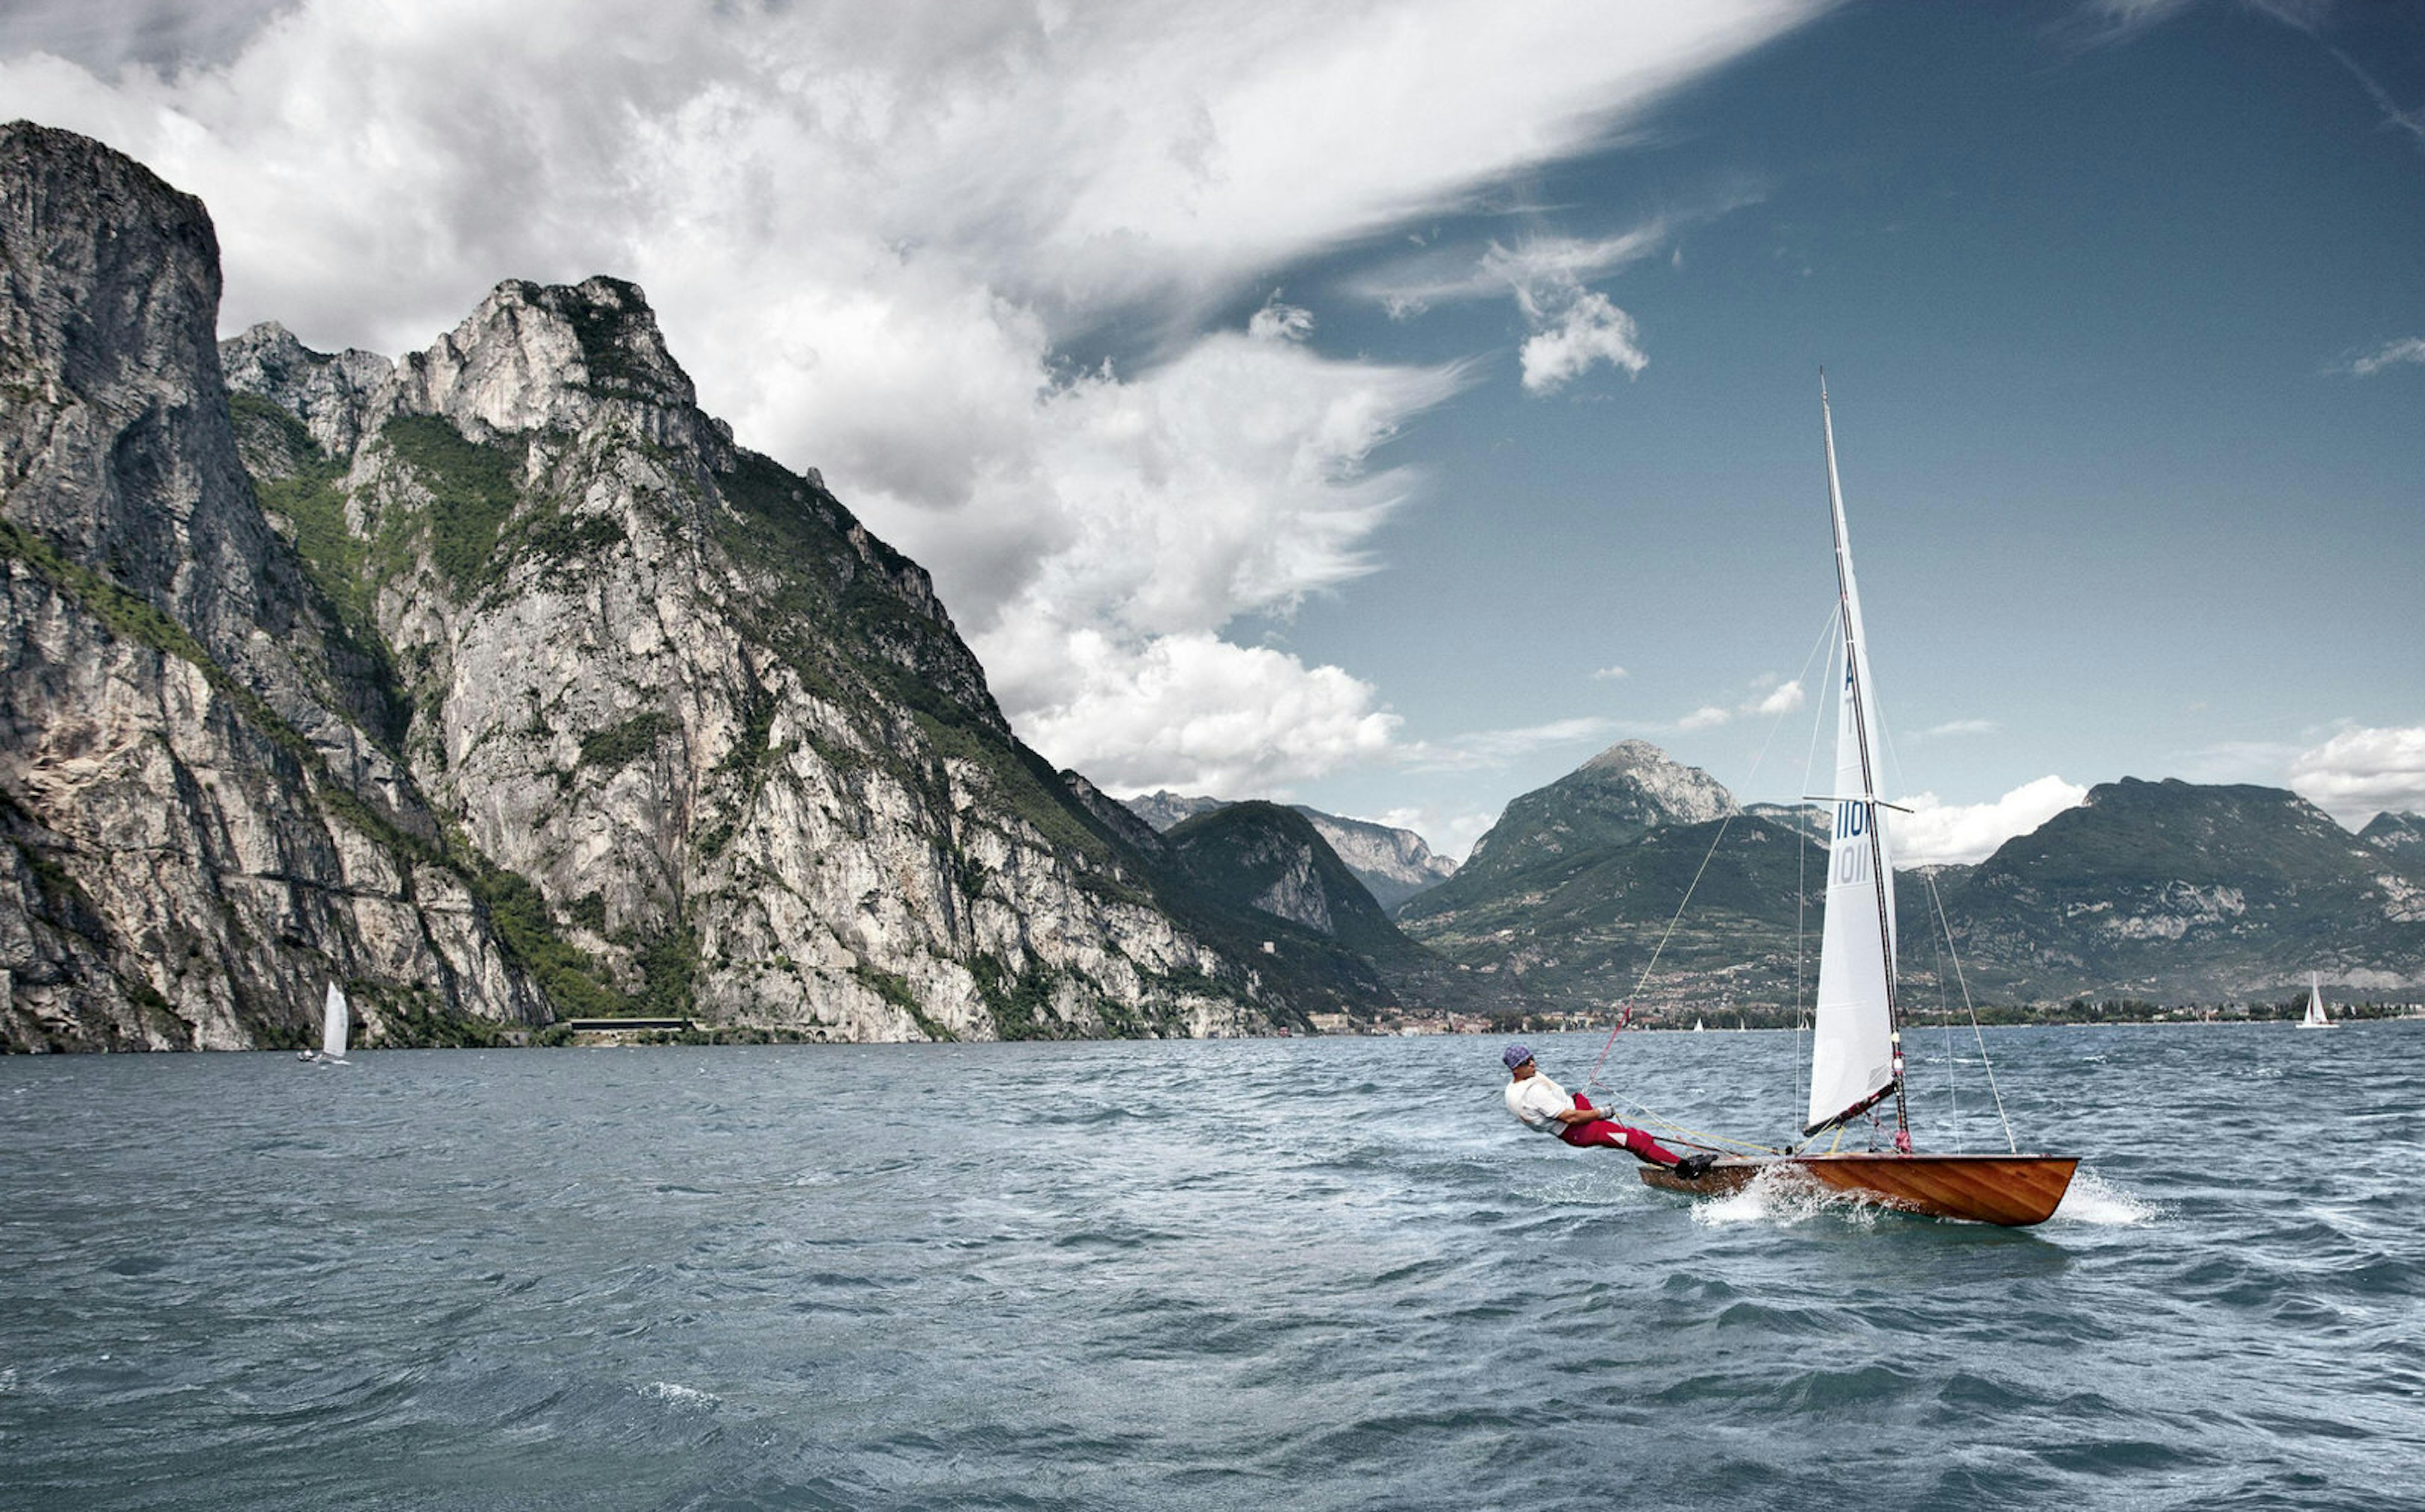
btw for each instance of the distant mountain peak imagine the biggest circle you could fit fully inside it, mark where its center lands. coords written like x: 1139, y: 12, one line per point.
x: 1164, y: 809
x: 2403, y: 834
x: 1625, y: 756
x: 1608, y: 802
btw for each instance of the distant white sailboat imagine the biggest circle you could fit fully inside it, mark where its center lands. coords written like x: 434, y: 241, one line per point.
x: 336, y: 1019
x: 1698, y: 1027
x: 2316, y: 1019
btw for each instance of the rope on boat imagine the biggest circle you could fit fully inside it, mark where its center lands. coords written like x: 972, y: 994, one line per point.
x: 1592, y: 1080
x: 1987, y: 1064
x: 1697, y: 1138
x: 1945, y: 932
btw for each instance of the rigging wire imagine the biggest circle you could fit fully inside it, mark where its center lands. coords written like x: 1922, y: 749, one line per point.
x: 1801, y: 889
x: 1944, y: 1015
x: 2011, y: 1144
x: 1592, y: 1080
x: 1945, y: 932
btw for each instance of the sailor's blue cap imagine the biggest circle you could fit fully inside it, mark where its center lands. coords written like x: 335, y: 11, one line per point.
x: 1515, y: 1056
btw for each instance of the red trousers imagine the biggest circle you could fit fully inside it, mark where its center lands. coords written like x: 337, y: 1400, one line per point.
x: 1617, y: 1136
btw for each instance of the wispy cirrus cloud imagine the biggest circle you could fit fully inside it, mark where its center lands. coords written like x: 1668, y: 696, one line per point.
x: 1454, y: 275
x: 1574, y: 327
x: 1958, y: 728
x: 1487, y: 750
x: 2408, y: 350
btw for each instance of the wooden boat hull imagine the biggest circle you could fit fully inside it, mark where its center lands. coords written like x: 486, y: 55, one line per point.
x: 2013, y: 1190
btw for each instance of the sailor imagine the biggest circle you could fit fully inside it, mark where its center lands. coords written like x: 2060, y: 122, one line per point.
x: 1542, y: 1103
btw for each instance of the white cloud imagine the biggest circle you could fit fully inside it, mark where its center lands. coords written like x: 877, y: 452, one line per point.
x: 1936, y: 834
x: 1769, y: 697
x: 1960, y: 727
x: 1782, y: 699
x: 2358, y: 774
x: 1609, y: 673
x: 1449, y: 831
x: 870, y: 230
x: 1588, y: 330
x: 1195, y: 713
x: 1453, y: 275
x: 2389, y: 354
x: 1486, y: 750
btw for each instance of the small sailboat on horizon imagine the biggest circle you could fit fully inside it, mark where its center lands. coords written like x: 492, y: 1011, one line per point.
x: 2316, y: 1018
x: 1856, y: 1056
x: 336, y: 1023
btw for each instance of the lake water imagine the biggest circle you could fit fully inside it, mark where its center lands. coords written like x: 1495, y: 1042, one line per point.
x: 1317, y: 1274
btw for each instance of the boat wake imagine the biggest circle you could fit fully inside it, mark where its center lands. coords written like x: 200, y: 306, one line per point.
x: 2093, y: 1200
x: 1778, y: 1197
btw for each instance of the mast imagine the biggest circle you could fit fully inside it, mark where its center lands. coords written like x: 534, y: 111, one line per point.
x: 1857, y: 1049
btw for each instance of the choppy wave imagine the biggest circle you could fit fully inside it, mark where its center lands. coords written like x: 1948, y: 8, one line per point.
x: 1326, y: 1275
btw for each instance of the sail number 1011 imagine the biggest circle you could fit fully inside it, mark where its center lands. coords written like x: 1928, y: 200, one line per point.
x: 1851, y: 861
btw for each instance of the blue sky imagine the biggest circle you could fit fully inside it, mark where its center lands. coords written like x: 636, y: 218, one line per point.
x: 1327, y: 402
x: 2090, y: 307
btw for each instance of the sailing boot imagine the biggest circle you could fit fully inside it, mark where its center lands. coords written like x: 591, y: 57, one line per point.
x: 1693, y: 1167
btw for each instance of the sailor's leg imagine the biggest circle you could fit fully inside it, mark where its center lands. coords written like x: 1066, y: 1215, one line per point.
x: 1617, y: 1137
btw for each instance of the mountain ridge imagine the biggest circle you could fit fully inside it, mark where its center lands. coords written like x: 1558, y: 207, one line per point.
x: 2154, y: 890
x: 1393, y: 864
x: 518, y: 690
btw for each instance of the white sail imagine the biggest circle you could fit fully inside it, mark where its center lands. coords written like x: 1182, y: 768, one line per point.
x: 2316, y: 1018
x: 335, y: 1018
x: 1852, y: 1057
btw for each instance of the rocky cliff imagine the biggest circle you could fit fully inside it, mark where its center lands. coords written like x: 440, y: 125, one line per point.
x: 1543, y: 837
x: 497, y: 679
x: 1276, y: 870
x: 1393, y: 864
x: 2401, y: 835
x: 203, y: 823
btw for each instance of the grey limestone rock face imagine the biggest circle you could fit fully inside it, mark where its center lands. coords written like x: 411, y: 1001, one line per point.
x: 732, y: 739
x: 1614, y: 799
x: 498, y: 683
x: 200, y: 833
x: 1394, y: 865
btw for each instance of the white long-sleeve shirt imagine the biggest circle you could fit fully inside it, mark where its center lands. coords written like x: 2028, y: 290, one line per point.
x: 1537, y: 1101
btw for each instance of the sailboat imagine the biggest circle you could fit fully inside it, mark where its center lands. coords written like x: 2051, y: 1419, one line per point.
x: 2316, y: 1019
x: 336, y: 1019
x: 1697, y: 1029
x: 1857, y: 1061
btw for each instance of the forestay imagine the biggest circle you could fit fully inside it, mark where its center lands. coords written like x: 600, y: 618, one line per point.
x: 1854, y: 1061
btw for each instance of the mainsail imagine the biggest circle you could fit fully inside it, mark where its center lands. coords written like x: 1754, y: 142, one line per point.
x: 1853, y: 1059
x: 2316, y: 1018
x: 335, y: 1020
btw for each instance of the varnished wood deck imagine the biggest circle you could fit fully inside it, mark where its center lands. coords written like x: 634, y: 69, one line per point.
x: 2013, y: 1190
